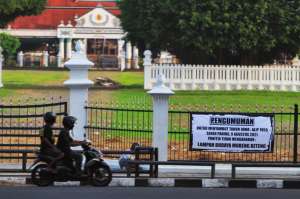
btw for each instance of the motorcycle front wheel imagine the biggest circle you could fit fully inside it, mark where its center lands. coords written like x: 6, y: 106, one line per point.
x: 40, y: 176
x: 100, y: 175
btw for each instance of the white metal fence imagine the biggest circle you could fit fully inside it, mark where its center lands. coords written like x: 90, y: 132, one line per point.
x: 209, y: 77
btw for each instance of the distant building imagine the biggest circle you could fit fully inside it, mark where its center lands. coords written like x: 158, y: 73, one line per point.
x: 63, y: 22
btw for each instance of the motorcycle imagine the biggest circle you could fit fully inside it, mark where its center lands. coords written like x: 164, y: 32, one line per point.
x: 94, y: 169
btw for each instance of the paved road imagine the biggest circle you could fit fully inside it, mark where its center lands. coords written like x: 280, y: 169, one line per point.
x: 143, y: 193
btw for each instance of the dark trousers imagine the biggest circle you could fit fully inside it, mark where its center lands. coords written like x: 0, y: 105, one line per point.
x: 52, y: 155
x: 77, y: 157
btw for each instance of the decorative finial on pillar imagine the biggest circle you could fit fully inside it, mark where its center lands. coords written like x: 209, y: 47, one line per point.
x: 99, y: 5
x: 69, y: 24
x: 79, y: 47
x: 148, y: 57
x: 160, y: 88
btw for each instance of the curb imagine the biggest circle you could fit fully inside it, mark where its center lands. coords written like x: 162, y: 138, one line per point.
x: 219, y: 183
x: 175, y: 182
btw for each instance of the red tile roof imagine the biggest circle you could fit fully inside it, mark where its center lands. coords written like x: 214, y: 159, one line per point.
x: 58, y: 10
x: 78, y: 3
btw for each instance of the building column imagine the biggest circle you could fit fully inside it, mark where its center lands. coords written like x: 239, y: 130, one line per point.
x: 128, y: 55
x: 1, y: 62
x: 121, y: 55
x: 69, y: 48
x: 85, y: 43
x: 62, y: 48
x: 45, y: 59
x: 136, y: 57
x: 20, y: 59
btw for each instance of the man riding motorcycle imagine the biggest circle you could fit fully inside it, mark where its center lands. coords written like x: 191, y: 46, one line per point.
x: 47, y: 147
x: 65, y: 142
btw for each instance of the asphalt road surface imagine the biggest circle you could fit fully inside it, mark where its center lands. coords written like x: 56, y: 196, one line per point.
x: 143, y: 193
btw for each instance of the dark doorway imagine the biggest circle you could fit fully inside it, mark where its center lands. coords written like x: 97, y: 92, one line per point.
x: 103, y: 52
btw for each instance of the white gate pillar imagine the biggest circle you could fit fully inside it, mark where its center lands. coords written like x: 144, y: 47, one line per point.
x: 78, y: 84
x: 1, y: 61
x: 160, y: 94
x: 147, y: 69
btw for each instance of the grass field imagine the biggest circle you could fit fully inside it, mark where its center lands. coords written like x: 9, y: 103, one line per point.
x: 24, y: 84
x: 39, y: 84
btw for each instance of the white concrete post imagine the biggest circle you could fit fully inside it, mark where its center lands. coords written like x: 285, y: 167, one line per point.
x: 21, y: 59
x: 1, y: 61
x: 45, y: 58
x: 62, y: 48
x: 78, y: 84
x: 69, y: 48
x: 160, y: 94
x: 147, y: 69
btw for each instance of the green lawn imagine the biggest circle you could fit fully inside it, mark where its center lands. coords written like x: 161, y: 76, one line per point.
x: 25, y: 83
x: 31, y: 78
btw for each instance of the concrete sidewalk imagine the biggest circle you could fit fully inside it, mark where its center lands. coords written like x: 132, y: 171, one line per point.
x: 193, y: 176
x: 221, y: 171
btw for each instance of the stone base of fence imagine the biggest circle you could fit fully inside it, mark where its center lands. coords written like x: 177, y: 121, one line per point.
x: 175, y: 182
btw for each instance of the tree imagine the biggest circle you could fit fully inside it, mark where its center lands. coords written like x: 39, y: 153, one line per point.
x: 9, y: 44
x: 10, y: 9
x: 215, y: 31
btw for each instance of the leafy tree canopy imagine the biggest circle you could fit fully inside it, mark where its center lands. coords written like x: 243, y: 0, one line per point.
x: 215, y: 31
x: 9, y: 44
x: 10, y: 9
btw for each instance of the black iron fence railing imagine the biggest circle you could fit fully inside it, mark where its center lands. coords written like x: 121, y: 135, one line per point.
x: 20, y: 125
x: 117, y: 128
x: 113, y: 128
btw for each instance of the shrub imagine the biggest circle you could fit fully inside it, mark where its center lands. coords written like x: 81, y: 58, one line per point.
x: 9, y: 44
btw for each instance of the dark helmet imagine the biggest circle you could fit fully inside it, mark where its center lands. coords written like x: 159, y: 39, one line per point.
x: 50, y: 117
x: 69, y: 122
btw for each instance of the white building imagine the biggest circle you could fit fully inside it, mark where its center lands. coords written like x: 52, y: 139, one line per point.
x: 63, y: 22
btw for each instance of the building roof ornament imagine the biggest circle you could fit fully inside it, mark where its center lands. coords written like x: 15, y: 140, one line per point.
x: 69, y: 24
x: 61, y: 24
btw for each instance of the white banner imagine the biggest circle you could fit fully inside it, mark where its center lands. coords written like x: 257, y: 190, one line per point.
x: 232, y: 133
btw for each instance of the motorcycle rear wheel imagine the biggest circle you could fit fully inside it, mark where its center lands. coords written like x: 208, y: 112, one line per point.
x: 101, y: 175
x: 40, y: 179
